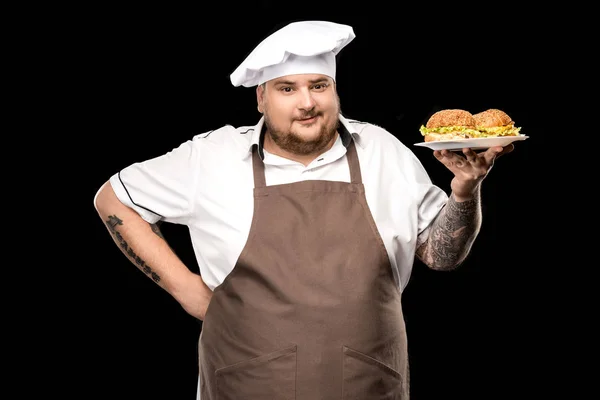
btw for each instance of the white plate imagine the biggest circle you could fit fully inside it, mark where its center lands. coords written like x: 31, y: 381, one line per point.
x: 475, y: 144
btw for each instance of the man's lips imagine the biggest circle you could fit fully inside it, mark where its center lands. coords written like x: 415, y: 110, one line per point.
x: 308, y: 120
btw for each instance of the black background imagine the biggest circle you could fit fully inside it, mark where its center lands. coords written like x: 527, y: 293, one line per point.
x: 152, y: 82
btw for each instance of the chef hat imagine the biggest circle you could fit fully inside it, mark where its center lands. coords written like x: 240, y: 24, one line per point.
x: 306, y: 47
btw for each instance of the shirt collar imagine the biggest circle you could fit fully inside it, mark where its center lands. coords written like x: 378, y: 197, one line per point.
x: 346, y: 130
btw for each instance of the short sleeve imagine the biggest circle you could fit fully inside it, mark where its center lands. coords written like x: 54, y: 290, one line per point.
x: 160, y: 188
x: 431, y: 199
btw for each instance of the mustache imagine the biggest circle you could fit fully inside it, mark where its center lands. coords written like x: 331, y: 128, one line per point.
x: 308, y: 115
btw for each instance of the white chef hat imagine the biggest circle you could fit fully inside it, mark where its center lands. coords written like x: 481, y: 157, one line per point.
x: 306, y: 47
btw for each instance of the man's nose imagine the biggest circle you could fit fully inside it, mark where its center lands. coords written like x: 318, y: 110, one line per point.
x: 306, y: 102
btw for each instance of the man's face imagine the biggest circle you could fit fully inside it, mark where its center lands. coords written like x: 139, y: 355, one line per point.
x: 301, y: 112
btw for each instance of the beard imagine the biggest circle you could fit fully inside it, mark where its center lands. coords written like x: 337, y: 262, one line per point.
x: 294, y: 143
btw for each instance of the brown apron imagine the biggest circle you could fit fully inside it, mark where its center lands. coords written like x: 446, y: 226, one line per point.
x: 311, y: 310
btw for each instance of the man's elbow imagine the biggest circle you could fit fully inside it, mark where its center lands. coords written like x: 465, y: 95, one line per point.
x: 105, y: 196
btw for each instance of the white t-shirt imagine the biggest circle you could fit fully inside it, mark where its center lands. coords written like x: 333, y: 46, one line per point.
x: 207, y: 184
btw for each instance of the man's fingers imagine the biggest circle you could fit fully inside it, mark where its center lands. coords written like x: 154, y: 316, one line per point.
x: 492, y: 153
x: 507, y: 149
x: 450, y: 158
x: 441, y: 154
x: 455, y: 159
x: 470, y: 155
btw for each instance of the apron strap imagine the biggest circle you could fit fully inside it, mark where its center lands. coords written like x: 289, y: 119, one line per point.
x: 355, y: 174
x: 259, y: 169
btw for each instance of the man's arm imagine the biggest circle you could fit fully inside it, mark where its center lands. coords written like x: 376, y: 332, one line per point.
x: 143, y: 244
x: 457, y: 225
x: 452, y: 234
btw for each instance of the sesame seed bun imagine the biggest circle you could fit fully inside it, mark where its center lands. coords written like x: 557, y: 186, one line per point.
x: 449, y: 124
x: 451, y: 117
x: 492, y: 118
x: 495, y: 122
x: 434, y: 137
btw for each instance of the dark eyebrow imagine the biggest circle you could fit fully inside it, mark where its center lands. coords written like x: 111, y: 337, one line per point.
x: 291, y: 83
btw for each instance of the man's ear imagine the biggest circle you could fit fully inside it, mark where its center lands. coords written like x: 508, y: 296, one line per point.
x: 260, y: 91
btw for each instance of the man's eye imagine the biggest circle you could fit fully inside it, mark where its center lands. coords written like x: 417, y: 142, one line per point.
x: 286, y: 89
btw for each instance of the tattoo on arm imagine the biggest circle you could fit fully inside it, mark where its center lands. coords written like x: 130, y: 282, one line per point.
x: 452, y: 234
x: 112, y: 223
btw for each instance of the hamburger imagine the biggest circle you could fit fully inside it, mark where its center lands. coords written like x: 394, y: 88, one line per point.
x: 450, y: 124
x: 457, y: 124
x: 494, y: 122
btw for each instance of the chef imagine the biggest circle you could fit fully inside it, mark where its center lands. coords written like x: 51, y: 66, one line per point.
x: 305, y: 226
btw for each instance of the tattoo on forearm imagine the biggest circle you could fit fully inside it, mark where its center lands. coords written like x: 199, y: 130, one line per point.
x: 112, y: 223
x: 453, y: 233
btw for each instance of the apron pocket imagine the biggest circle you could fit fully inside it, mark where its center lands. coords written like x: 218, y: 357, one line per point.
x: 271, y: 376
x: 368, y: 378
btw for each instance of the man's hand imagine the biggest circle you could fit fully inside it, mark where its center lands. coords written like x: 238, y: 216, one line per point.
x: 194, y: 297
x: 469, y: 170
